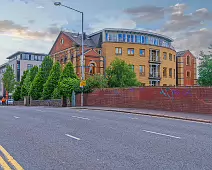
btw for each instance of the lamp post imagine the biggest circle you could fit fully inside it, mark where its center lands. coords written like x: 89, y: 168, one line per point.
x: 82, y: 56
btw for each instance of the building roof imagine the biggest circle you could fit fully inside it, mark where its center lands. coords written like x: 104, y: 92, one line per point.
x: 20, y: 52
x: 133, y: 30
x: 3, y: 65
x: 182, y: 53
x: 77, y: 38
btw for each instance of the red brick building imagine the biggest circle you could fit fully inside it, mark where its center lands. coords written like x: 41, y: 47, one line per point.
x: 67, y: 48
x: 186, y: 69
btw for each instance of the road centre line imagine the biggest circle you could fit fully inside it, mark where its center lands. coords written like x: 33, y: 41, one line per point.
x: 3, y: 164
x: 10, y: 159
x: 162, y: 134
x: 72, y: 137
x: 85, y: 118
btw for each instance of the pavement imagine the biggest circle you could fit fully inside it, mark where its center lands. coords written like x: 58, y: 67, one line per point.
x: 206, y: 118
x: 40, y: 138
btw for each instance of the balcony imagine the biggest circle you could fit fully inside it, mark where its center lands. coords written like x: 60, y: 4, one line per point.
x: 154, y: 75
x: 154, y: 59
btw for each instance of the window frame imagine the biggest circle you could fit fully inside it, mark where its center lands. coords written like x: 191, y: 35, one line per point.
x: 143, y: 55
x: 119, y: 48
x: 131, y: 49
x: 170, y: 75
x: 165, y: 71
x: 143, y: 70
x: 170, y: 58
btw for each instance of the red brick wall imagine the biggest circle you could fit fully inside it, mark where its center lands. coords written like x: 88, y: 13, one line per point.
x: 179, y: 99
x: 189, y: 81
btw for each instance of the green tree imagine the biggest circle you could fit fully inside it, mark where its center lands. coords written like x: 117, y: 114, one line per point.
x: 56, y: 93
x: 28, y: 81
x: 119, y: 74
x: 205, y: 69
x: 9, y: 79
x: 68, y: 72
x: 52, y: 81
x: 36, y: 88
x: 66, y: 86
x: 17, y: 93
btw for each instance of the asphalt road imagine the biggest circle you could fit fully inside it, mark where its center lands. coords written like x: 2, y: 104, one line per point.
x: 67, y: 139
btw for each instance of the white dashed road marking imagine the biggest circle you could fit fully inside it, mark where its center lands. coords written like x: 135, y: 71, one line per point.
x: 72, y: 137
x: 162, y: 134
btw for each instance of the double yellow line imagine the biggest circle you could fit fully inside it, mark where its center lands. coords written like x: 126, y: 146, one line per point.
x: 10, y: 160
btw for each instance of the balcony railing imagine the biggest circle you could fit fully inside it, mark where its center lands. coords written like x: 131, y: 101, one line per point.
x: 154, y: 75
x: 154, y: 59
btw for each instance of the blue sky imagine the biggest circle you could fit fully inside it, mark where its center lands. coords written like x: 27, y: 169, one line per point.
x: 33, y: 25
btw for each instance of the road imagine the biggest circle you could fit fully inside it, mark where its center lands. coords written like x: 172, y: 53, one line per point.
x: 68, y: 139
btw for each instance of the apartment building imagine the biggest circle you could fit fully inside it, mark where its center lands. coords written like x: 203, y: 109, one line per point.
x: 186, y: 69
x: 20, y: 61
x: 151, y: 55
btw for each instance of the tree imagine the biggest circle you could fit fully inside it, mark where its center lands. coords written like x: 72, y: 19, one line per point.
x: 52, y: 81
x: 68, y: 72
x: 9, y: 79
x: 36, y: 88
x: 17, y: 93
x: 119, y: 74
x: 205, y: 69
x: 66, y: 86
x: 28, y: 81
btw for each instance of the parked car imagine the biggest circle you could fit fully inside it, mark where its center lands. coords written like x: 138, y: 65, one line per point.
x: 10, y: 102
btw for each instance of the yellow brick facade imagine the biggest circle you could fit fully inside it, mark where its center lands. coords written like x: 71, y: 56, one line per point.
x: 108, y: 50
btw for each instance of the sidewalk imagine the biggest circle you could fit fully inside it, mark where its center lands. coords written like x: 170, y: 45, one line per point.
x: 205, y: 118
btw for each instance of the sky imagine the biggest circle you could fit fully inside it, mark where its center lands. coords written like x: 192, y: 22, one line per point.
x: 33, y: 25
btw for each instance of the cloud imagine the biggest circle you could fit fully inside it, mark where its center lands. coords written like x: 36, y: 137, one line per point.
x: 111, y: 22
x: 31, y: 21
x: 146, y: 13
x: 12, y: 29
x: 40, y: 7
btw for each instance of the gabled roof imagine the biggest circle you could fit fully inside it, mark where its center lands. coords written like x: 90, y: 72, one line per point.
x: 86, y: 51
x: 77, y: 38
x: 182, y: 53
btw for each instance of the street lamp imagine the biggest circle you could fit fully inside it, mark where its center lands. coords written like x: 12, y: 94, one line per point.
x: 82, y: 56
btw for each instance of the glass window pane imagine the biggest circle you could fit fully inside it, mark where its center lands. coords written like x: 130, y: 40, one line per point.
x: 132, y: 38
x: 147, y: 39
x: 107, y: 37
x: 120, y: 37
x: 124, y: 37
x: 128, y: 38
x: 138, y: 38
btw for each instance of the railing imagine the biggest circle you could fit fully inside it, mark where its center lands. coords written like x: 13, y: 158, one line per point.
x: 155, y: 75
x: 154, y: 59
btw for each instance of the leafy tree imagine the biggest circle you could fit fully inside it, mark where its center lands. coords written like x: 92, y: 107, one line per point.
x: 119, y: 74
x: 68, y: 72
x: 52, y: 81
x: 56, y: 93
x: 66, y: 86
x: 24, y: 87
x: 205, y: 69
x: 9, y: 79
x: 28, y: 81
x: 36, y: 88
x: 17, y: 93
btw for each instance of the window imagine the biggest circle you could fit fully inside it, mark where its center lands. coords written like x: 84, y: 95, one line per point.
x: 100, y: 52
x: 188, y: 74
x: 120, y: 37
x: 26, y: 56
x: 174, y: 58
x: 156, y: 41
x: 174, y: 73
x: 164, y: 55
x: 107, y: 37
x: 114, y: 37
x: 142, y: 52
x: 23, y: 56
x: 142, y: 70
x: 36, y: 57
x: 32, y: 57
x: 39, y: 58
x: 29, y: 66
x: 18, y: 66
x: 137, y: 38
x: 118, y: 51
x: 164, y: 72
x: 130, y: 51
x: 65, y: 59
x: 142, y: 39
x: 62, y: 41
x: 170, y: 73
x: 128, y: 38
x: 124, y: 37
x: 170, y: 57
x: 188, y: 60
x: 132, y: 38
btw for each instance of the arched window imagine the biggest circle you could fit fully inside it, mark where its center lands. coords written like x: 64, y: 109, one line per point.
x: 92, y: 69
x: 188, y: 60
